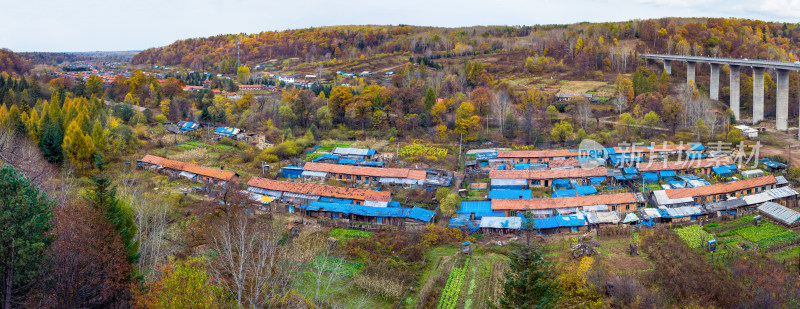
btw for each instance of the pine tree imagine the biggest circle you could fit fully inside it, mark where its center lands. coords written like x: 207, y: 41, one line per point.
x: 530, y: 281
x: 50, y: 143
x: 25, y: 222
x: 104, y: 199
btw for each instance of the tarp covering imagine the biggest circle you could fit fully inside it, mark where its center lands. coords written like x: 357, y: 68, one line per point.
x: 649, y: 177
x: 501, y: 222
x: 630, y: 218
x: 722, y: 171
x: 561, y: 183
x: 596, y: 180
x: 411, y: 213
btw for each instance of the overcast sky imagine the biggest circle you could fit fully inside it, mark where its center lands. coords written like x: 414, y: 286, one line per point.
x: 113, y: 25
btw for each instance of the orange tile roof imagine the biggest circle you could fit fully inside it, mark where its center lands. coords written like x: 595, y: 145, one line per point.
x: 722, y: 188
x: 188, y: 167
x: 539, y: 153
x: 561, y: 202
x: 564, y: 162
x: 549, y: 174
x: 656, y: 148
x: 366, y: 171
x: 321, y: 190
x: 683, y: 164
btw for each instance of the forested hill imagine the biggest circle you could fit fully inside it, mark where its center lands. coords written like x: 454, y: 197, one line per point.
x: 697, y: 36
x: 10, y: 62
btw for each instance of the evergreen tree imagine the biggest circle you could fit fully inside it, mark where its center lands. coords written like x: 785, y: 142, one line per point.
x: 104, y: 198
x: 25, y: 224
x: 50, y: 143
x: 430, y: 98
x: 530, y: 281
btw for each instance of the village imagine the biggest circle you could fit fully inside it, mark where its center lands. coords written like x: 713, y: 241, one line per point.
x: 504, y: 192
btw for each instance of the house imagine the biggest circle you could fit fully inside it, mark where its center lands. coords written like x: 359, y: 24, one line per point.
x: 363, y: 174
x: 780, y: 214
x: 175, y: 169
x: 601, y: 218
x: 546, y: 178
x: 227, y: 132
x: 296, y: 193
x: 546, y: 207
x: 250, y: 88
x: 567, y: 96
x: 723, y: 191
x: 747, y: 131
x: 785, y: 196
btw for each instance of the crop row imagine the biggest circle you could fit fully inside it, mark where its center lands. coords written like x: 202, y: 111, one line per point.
x: 453, y: 287
x: 422, y: 151
x: 694, y: 235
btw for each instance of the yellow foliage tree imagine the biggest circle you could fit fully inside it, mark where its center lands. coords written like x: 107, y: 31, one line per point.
x: 77, y: 144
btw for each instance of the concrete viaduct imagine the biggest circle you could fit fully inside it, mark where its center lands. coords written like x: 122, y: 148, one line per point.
x: 782, y: 69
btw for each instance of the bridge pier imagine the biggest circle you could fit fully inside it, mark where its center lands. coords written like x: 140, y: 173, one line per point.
x: 758, y: 94
x: 782, y: 104
x: 668, y: 66
x: 713, y: 92
x: 735, y: 90
x: 690, y: 68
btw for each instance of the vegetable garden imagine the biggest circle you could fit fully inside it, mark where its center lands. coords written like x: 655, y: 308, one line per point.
x: 694, y: 235
x: 453, y: 287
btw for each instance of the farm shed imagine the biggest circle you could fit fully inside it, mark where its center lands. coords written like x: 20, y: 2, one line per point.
x: 353, y: 153
x: 730, y: 207
x: 509, y: 184
x: 650, y: 214
x: 660, y: 199
x: 596, y: 219
x: 781, y: 214
x: 293, y: 172
x: 682, y: 214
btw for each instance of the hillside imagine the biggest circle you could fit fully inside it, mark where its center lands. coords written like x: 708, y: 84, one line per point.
x: 600, y: 41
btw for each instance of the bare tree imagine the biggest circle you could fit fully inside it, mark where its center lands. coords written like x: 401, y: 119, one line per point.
x: 24, y: 155
x: 249, y: 258
x: 501, y: 102
x: 620, y: 103
x: 584, y: 112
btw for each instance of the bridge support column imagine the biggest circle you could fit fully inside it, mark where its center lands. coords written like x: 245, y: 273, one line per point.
x: 690, y: 68
x: 758, y: 94
x: 735, y: 90
x: 668, y: 66
x: 782, y: 104
x: 714, y: 87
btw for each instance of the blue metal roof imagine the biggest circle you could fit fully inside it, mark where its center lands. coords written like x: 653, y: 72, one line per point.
x: 559, y: 221
x: 469, y: 207
x: 579, y: 191
x: 649, y: 177
x: 669, y: 173
x: 326, y: 199
x: 698, y: 147
x: 327, y: 156
x: 486, y: 155
x: 510, y: 194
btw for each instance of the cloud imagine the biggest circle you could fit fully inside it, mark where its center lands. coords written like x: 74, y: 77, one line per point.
x: 786, y: 8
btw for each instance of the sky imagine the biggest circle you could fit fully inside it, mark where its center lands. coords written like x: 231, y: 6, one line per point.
x: 117, y: 25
